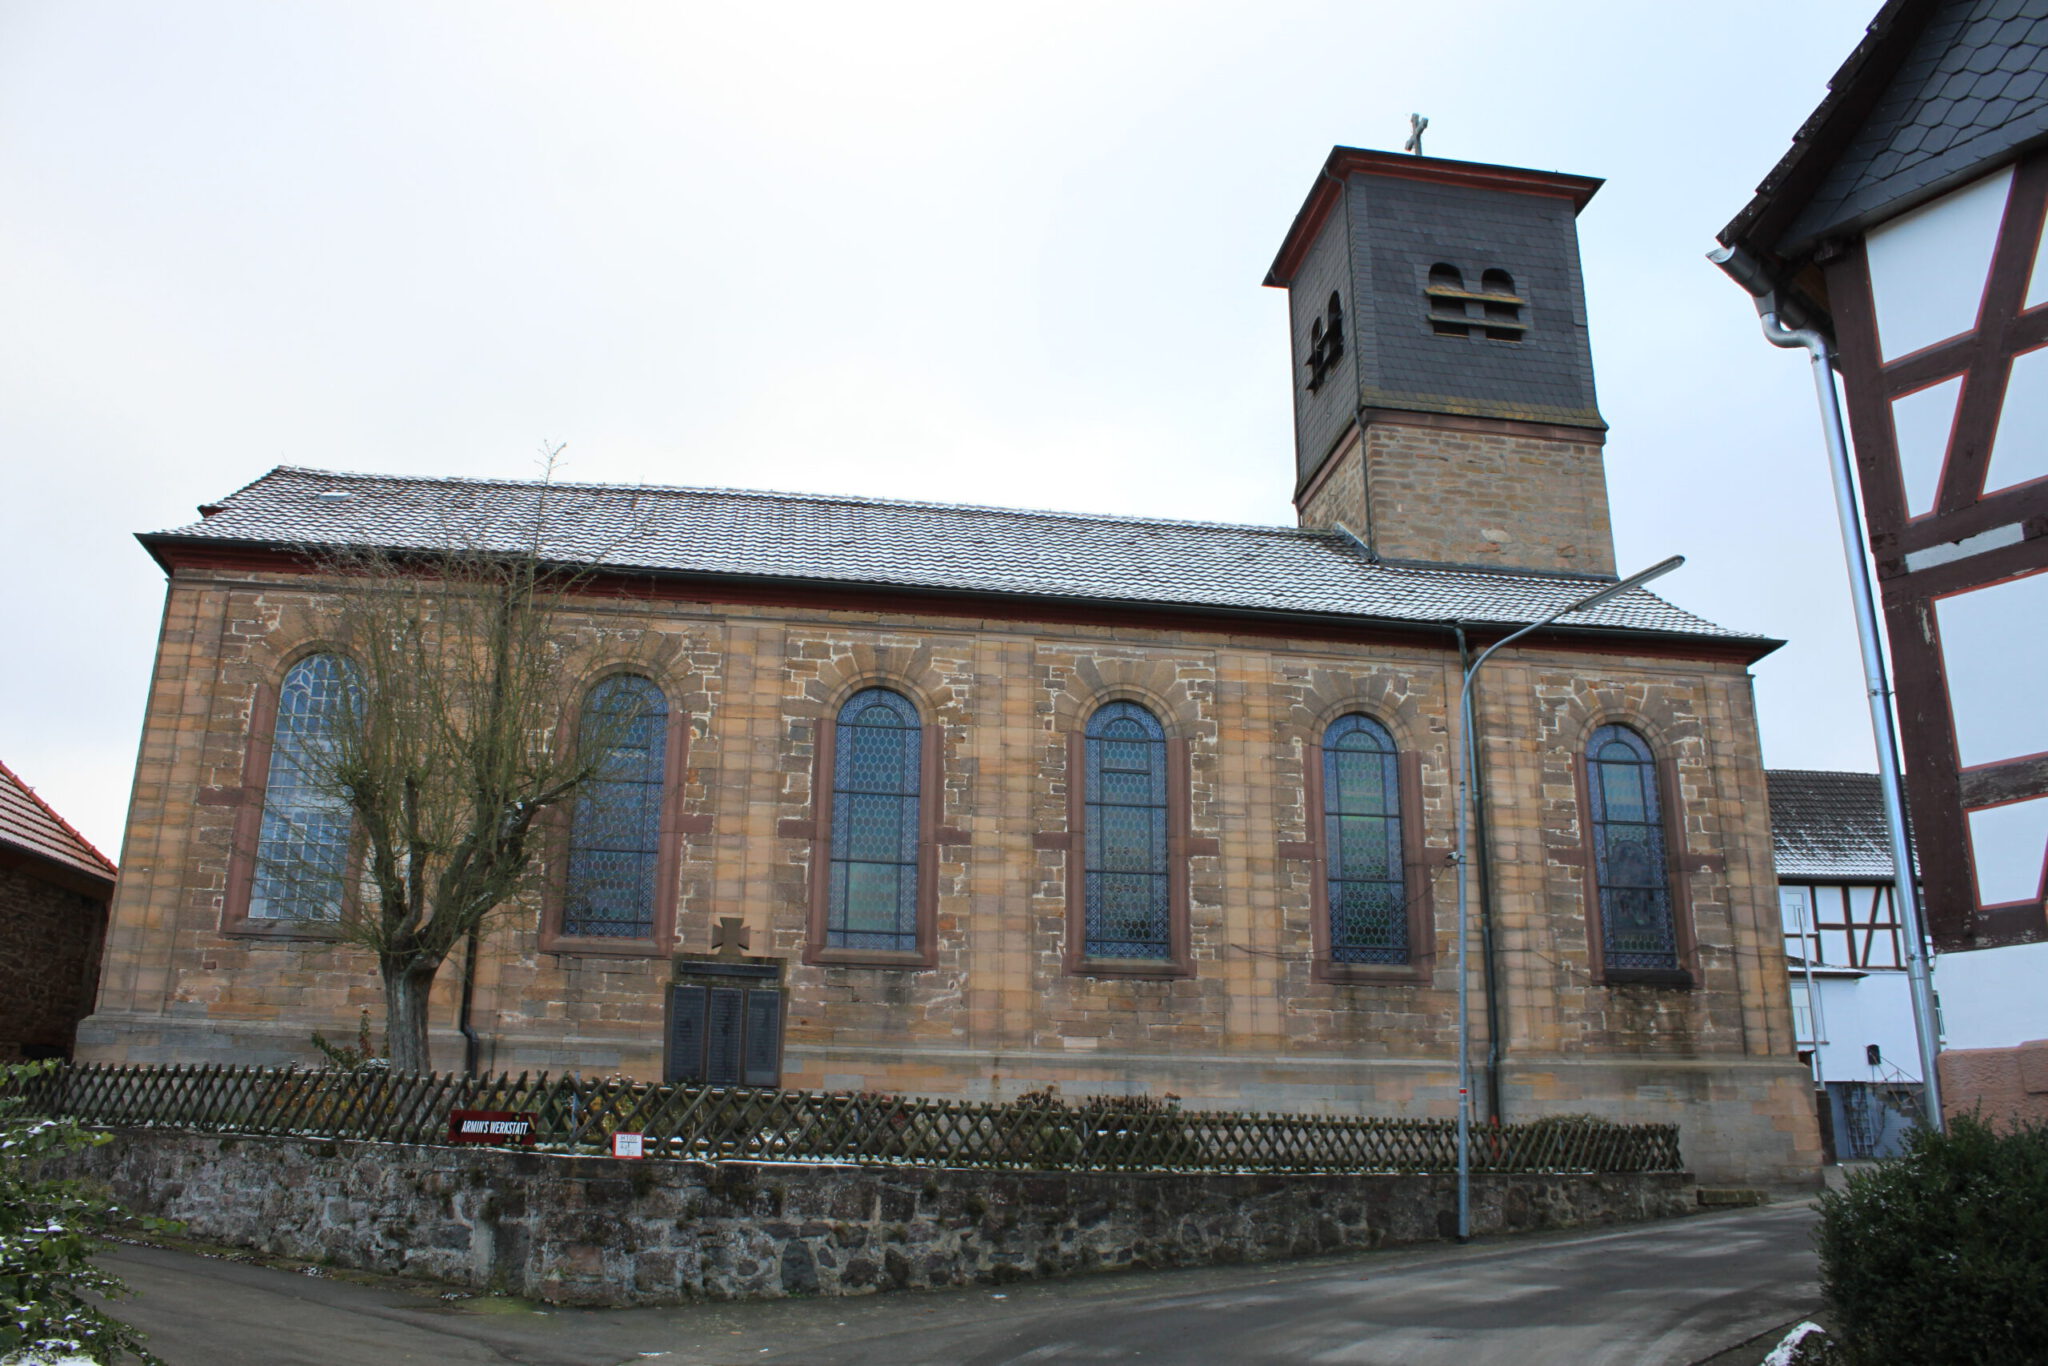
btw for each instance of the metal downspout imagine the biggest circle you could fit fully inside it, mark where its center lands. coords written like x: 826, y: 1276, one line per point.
x: 1877, y: 687
x: 1487, y: 966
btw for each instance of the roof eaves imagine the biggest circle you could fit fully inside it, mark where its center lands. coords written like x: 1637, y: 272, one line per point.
x: 1853, y: 92
x: 1757, y: 646
x: 91, y: 850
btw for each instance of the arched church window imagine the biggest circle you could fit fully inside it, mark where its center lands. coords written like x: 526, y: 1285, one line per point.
x: 1502, y: 306
x: 1325, y: 342
x: 1127, y: 884
x: 1363, y: 844
x: 615, y: 825
x: 302, y: 844
x: 877, y: 763
x: 1632, y: 867
x: 1448, y: 313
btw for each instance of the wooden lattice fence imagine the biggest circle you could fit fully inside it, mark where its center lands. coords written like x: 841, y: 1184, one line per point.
x: 740, y: 1124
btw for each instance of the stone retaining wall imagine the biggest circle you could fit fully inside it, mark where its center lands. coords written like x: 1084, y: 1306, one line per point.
x: 588, y: 1230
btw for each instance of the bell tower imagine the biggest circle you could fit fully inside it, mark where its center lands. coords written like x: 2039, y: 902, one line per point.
x: 1443, y: 385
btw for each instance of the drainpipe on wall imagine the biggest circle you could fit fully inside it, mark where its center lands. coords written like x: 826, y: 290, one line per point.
x: 1487, y: 975
x: 1742, y: 268
x: 1877, y: 687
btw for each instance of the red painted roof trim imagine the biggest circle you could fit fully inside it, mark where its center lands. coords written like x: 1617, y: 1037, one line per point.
x: 1349, y: 161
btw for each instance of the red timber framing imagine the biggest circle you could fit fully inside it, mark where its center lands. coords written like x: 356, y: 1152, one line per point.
x: 1939, y: 788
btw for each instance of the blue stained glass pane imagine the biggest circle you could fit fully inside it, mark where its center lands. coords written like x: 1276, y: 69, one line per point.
x: 302, y: 844
x: 871, y: 886
x: 1125, y: 873
x: 1367, y: 880
x: 615, y: 823
x: 1368, y: 923
x: 1630, y: 863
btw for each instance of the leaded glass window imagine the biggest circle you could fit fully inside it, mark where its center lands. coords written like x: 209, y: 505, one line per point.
x: 615, y: 823
x: 876, y: 754
x: 1126, y: 885
x: 1368, y: 886
x: 302, y: 845
x: 1628, y: 851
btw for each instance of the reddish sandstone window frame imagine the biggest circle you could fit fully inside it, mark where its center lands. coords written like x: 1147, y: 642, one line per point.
x: 1181, y: 845
x: 1677, y: 862
x: 668, y: 855
x: 247, y: 830
x: 930, y: 792
x: 1421, y: 964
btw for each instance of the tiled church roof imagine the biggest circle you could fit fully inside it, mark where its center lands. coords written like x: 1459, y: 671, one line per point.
x: 1828, y: 825
x: 918, y: 546
x: 29, y: 825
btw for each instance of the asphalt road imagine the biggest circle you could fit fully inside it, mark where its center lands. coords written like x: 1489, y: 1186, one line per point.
x: 1649, y: 1295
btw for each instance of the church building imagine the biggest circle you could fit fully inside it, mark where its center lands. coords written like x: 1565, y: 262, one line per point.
x: 970, y: 801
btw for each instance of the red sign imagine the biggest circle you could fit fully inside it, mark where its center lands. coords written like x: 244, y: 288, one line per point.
x: 491, y: 1126
x: 629, y: 1145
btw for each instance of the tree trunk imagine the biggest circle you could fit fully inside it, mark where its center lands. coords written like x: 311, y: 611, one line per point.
x: 407, y: 986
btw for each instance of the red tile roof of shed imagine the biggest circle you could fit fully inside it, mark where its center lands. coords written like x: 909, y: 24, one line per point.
x: 28, y: 824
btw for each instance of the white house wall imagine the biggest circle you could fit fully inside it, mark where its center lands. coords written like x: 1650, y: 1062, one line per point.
x: 2019, y: 452
x: 1928, y: 267
x: 1859, y: 1011
x: 1921, y: 422
x: 1994, y: 654
x: 1993, y: 998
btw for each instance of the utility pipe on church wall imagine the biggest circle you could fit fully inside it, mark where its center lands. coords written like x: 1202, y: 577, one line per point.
x: 1469, y: 747
x: 1488, y: 967
x: 1878, y: 690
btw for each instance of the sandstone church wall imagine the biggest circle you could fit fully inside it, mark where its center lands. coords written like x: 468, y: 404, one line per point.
x: 1251, y: 1024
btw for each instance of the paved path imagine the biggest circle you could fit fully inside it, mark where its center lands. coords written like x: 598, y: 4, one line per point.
x: 1650, y: 1295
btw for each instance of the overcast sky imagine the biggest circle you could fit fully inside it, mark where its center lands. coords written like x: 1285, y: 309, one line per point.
x: 1002, y: 255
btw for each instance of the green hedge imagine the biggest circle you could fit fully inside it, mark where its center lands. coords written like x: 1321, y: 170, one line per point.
x: 1941, y: 1255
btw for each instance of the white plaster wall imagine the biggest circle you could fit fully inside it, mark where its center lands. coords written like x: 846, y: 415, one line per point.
x: 1993, y: 998
x: 1928, y: 267
x: 2019, y: 451
x: 1856, y: 1012
x: 1994, y: 653
x: 1921, y: 424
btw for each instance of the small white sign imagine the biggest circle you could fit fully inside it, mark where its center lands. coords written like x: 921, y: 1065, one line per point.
x: 629, y: 1145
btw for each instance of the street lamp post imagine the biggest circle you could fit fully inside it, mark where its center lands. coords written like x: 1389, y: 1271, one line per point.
x: 1469, y: 744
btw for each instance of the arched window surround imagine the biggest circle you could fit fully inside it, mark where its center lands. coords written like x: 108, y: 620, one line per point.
x: 1684, y: 972
x: 1415, y: 860
x: 1180, y: 845
x: 930, y: 792
x: 668, y: 856
x: 248, y: 801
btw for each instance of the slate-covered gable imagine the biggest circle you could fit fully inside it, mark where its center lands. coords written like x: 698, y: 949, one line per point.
x: 1973, y: 91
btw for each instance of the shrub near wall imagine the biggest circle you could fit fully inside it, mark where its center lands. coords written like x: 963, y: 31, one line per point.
x: 589, y: 1230
x: 1941, y: 1255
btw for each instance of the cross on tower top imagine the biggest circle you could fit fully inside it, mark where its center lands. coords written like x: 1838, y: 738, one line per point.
x: 1416, y: 124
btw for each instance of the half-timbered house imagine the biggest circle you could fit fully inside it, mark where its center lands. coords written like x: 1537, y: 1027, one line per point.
x: 1905, y: 223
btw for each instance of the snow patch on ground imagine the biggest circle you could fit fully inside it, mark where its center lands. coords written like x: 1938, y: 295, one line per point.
x: 1787, y: 1351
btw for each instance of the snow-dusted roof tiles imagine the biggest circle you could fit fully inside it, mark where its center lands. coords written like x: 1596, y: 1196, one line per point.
x: 917, y: 546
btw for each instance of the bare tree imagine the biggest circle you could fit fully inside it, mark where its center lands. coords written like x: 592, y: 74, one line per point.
x: 441, y: 742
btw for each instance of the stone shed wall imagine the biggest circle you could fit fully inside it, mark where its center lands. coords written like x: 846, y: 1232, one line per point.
x: 50, y: 939
x: 587, y: 1230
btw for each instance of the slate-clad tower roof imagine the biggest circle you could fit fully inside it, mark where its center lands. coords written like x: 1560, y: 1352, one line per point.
x: 1374, y: 228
